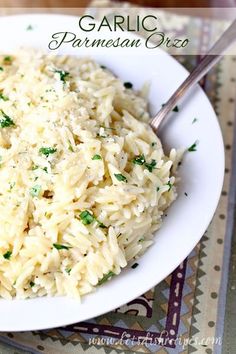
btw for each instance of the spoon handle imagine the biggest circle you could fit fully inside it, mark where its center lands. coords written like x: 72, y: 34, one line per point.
x: 207, y: 62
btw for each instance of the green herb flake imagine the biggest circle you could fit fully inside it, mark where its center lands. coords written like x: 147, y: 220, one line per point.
x: 2, y: 97
x: 29, y: 28
x: 150, y: 166
x: 61, y: 247
x: 194, y: 120
x: 106, y: 277
x: 1, y: 68
x: 35, y: 167
x: 35, y: 191
x: 63, y: 74
x: 7, y: 59
x: 47, y: 215
x: 5, y: 120
x: 142, y: 239
x: 11, y: 185
x: 139, y: 160
x: 135, y: 265
x: 153, y: 144
x: 158, y: 188
x: 128, y: 85
x: 47, y: 151
x: 101, y: 225
x: 86, y: 217
x: 70, y: 148
x: 45, y: 169
x: 68, y: 270
x: 120, y: 177
x: 175, y: 109
x: 7, y: 255
x: 103, y: 67
x: 96, y: 157
x: 186, y: 194
x: 32, y: 284
x: 169, y: 185
x: 193, y: 147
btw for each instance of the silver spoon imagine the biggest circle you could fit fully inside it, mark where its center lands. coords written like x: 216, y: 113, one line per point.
x: 207, y: 62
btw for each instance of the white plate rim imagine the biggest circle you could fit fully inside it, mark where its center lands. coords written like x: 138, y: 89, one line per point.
x: 57, y: 322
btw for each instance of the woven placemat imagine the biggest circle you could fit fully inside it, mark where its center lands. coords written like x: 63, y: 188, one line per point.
x: 185, y: 312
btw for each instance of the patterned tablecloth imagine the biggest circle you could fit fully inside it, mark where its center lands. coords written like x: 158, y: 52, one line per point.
x: 185, y: 312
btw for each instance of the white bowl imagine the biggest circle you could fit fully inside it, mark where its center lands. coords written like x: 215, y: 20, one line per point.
x: 201, y: 177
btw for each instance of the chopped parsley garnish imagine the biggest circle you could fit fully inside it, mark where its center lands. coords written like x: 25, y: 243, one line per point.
x: 60, y: 247
x: 47, y: 151
x: 47, y: 215
x: 139, y: 160
x: 170, y: 185
x: 7, y: 59
x: 106, y: 277
x: 35, y: 191
x: 63, y: 74
x: 5, y: 120
x: 194, y: 120
x: 2, y: 97
x: 1, y: 68
x: 175, y: 109
x: 150, y: 166
x: 32, y: 284
x: 103, y: 67
x: 158, y: 188
x: 135, y: 265
x: 36, y: 167
x: 70, y: 148
x: 29, y: 28
x: 96, y: 157
x: 11, y: 185
x: 86, y: 217
x: 101, y: 225
x: 120, y: 177
x: 128, y: 85
x: 153, y: 144
x: 193, y: 147
x: 141, y: 239
x: 7, y: 255
x: 68, y: 270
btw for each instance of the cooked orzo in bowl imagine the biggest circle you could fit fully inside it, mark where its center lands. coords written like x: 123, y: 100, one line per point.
x: 84, y: 180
